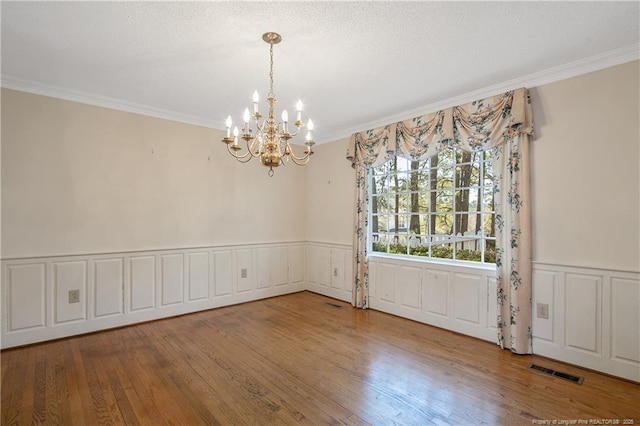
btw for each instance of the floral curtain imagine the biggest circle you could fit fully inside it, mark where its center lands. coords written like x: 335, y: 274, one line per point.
x: 366, y: 149
x: 502, y: 124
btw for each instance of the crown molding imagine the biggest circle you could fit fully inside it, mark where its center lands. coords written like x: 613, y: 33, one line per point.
x: 594, y: 63
x: 23, y: 85
x: 572, y: 69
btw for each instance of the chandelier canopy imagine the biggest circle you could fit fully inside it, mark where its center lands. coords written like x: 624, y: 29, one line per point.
x: 268, y: 139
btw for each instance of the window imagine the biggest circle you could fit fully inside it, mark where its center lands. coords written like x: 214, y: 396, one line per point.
x: 442, y: 207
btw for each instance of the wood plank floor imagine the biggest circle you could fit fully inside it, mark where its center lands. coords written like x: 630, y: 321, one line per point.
x: 296, y: 359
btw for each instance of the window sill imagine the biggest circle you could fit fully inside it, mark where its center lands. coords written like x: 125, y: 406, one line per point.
x: 440, y: 263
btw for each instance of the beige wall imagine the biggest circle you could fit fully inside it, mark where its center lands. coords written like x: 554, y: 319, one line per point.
x: 331, y: 188
x: 585, y: 170
x: 585, y: 174
x: 82, y: 179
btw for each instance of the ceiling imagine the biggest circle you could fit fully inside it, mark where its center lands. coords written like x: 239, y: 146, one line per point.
x: 355, y: 65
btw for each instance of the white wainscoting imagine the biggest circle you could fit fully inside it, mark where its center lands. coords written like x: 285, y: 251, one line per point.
x: 456, y: 298
x: 594, y: 314
x: 446, y: 296
x: 594, y: 318
x: 125, y: 288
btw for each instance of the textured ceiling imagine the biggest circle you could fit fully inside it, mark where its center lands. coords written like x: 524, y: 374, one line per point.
x: 354, y: 64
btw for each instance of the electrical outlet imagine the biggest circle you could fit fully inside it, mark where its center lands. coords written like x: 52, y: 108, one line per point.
x: 335, y: 272
x: 542, y: 310
x: 243, y: 273
x: 74, y: 296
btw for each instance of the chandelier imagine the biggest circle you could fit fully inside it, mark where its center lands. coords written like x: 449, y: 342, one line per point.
x: 269, y: 140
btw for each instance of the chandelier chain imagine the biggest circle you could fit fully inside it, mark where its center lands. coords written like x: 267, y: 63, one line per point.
x: 271, y: 93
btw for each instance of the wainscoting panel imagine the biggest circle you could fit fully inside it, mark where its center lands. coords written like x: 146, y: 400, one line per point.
x: 323, y: 270
x: 436, y: 293
x: 108, y: 287
x: 263, y: 277
x: 67, y: 277
x: 468, y: 296
x: 223, y: 270
x: 26, y: 295
x: 625, y: 339
x: 311, y: 265
x: 280, y: 264
x: 125, y: 288
x: 386, y: 275
x: 198, y: 275
x: 582, y: 312
x: 171, y: 275
x: 296, y: 263
x: 410, y: 292
x: 594, y: 318
x: 245, y: 272
x: 143, y: 282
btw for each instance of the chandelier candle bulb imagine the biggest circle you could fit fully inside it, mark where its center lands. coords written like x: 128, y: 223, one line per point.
x: 228, y: 124
x: 285, y: 119
x: 299, y: 111
x: 310, y: 133
x: 256, y: 99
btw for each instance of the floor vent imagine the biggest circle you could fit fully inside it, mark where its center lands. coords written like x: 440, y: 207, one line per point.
x: 559, y: 374
x: 333, y: 305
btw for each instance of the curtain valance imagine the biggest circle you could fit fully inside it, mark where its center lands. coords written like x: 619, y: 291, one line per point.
x: 474, y: 126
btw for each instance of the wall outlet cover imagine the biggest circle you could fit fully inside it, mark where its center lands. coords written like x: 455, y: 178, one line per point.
x: 542, y: 310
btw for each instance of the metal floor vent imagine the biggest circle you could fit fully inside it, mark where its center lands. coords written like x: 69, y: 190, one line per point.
x: 561, y: 375
x: 333, y: 305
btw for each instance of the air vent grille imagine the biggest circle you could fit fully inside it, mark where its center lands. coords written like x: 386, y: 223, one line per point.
x: 333, y: 305
x: 559, y: 374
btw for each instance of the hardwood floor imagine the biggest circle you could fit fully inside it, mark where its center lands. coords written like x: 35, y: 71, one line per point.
x: 296, y: 359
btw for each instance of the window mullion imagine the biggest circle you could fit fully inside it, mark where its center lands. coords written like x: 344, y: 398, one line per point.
x: 453, y: 207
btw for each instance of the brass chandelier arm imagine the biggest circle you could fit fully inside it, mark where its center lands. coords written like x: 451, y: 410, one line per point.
x: 297, y: 125
x: 303, y: 159
x: 251, y: 152
x: 245, y: 158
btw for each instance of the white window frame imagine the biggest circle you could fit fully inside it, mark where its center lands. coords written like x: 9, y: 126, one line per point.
x: 430, y: 242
